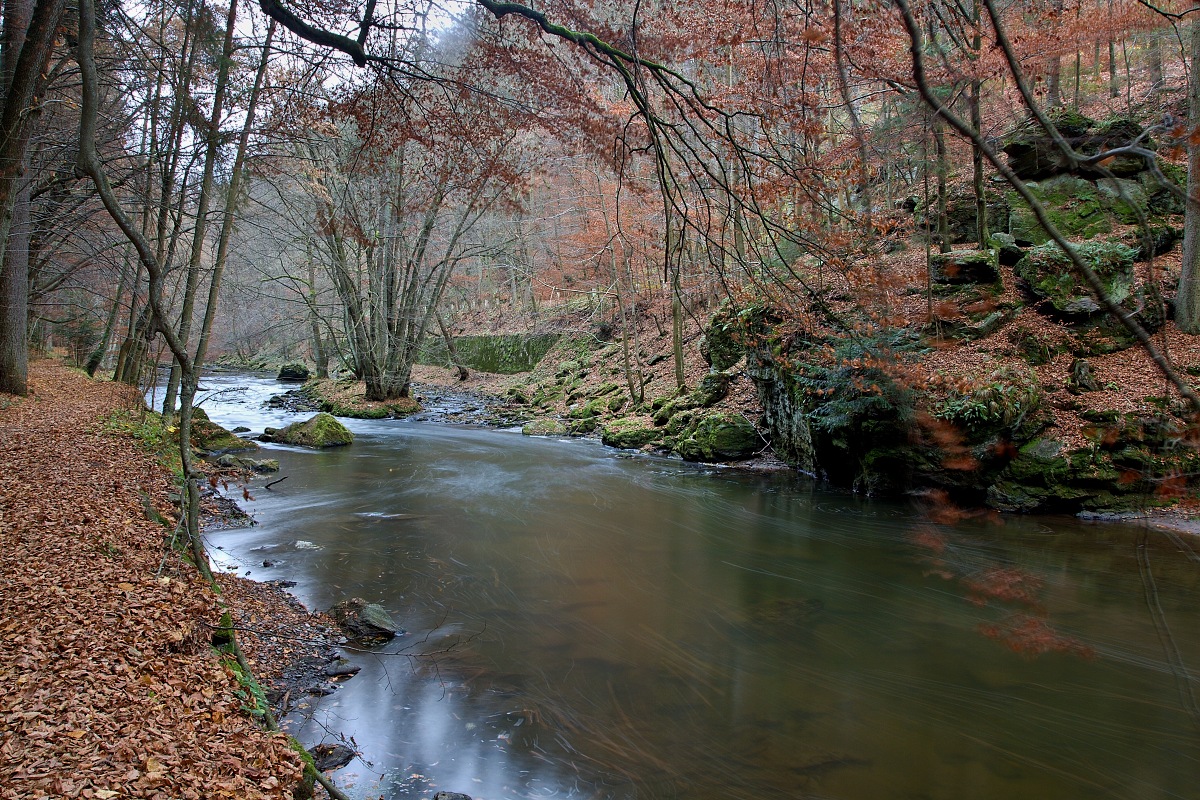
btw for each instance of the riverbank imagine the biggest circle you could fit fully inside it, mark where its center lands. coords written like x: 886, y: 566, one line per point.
x: 112, y: 686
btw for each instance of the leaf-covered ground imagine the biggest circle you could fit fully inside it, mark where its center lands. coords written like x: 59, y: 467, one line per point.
x: 109, y: 685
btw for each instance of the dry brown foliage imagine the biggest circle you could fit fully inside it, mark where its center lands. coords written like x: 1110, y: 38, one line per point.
x: 111, y: 687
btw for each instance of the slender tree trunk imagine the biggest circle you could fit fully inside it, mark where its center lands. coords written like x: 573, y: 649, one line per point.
x: 452, y: 350
x: 213, y: 136
x: 1054, y: 83
x: 943, y: 170
x: 25, y: 49
x: 97, y: 355
x: 1154, y: 60
x: 1187, y: 301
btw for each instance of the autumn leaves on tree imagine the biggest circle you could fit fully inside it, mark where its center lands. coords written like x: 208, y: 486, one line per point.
x: 353, y: 178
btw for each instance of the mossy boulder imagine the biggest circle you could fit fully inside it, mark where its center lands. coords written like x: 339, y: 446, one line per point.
x: 364, y: 621
x: 723, y: 346
x: 1034, y: 155
x: 590, y: 410
x: 255, y: 465
x: 712, y: 388
x: 719, y: 436
x: 629, y: 433
x: 1067, y: 297
x: 293, y: 372
x: 544, y: 427
x: 321, y: 431
x: 1052, y: 276
x: 1077, y: 207
x: 211, y: 439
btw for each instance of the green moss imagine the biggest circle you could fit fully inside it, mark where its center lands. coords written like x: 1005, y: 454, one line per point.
x: 544, y: 427
x: 322, y: 430
x: 719, y: 437
x: 629, y: 433
x: 305, y: 789
x: 1051, y: 274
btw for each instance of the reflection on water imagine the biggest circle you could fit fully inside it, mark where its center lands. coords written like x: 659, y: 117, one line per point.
x: 588, y: 625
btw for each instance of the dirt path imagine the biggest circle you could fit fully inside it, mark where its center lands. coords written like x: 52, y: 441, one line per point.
x: 108, y: 685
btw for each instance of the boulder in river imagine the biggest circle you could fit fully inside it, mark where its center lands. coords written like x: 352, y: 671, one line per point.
x: 364, y: 621
x: 451, y: 796
x: 322, y: 430
x: 293, y: 372
x: 331, y: 756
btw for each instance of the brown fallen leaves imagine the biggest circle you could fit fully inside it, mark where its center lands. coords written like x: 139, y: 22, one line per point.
x: 109, y: 686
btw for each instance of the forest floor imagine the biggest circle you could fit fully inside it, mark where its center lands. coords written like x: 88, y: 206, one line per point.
x: 111, y: 685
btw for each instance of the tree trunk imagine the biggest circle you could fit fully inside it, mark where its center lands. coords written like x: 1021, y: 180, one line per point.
x: 96, y: 358
x: 1054, y: 83
x: 943, y: 169
x: 1187, y: 301
x: 452, y: 350
x: 28, y: 41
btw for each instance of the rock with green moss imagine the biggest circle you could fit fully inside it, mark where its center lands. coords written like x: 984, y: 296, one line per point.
x: 294, y: 372
x: 1052, y: 276
x: 590, y: 410
x: 712, y: 388
x: 1075, y: 206
x: 719, y: 436
x: 629, y: 433
x: 544, y: 427
x: 209, y: 438
x: 321, y: 431
x: 253, y: 464
x: 723, y: 346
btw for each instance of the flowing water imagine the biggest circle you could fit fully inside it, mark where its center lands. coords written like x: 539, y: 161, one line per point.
x: 586, y: 624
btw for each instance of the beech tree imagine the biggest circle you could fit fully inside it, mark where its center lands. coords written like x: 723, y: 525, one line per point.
x: 26, y: 46
x: 396, y: 192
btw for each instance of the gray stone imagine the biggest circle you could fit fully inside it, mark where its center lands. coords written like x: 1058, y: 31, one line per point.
x: 331, y: 756
x: 363, y: 620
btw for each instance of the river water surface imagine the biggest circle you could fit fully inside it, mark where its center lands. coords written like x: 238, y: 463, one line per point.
x: 586, y: 624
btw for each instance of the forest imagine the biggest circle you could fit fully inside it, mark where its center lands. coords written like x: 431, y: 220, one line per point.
x: 942, y: 250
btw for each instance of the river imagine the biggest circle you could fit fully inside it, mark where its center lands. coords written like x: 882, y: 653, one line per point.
x: 586, y: 623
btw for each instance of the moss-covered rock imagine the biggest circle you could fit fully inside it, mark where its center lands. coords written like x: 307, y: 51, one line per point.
x: 1052, y: 276
x: 713, y: 388
x: 293, y: 372
x: 629, y: 433
x: 1075, y: 206
x: 719, y: 436
x: 723, y: 339
x: 592, y: 409
x: 321, y: 431
x: 210, y: 438
x: 544, y: 427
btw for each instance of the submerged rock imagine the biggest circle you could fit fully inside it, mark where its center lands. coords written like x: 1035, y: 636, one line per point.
x: 323, y: 430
